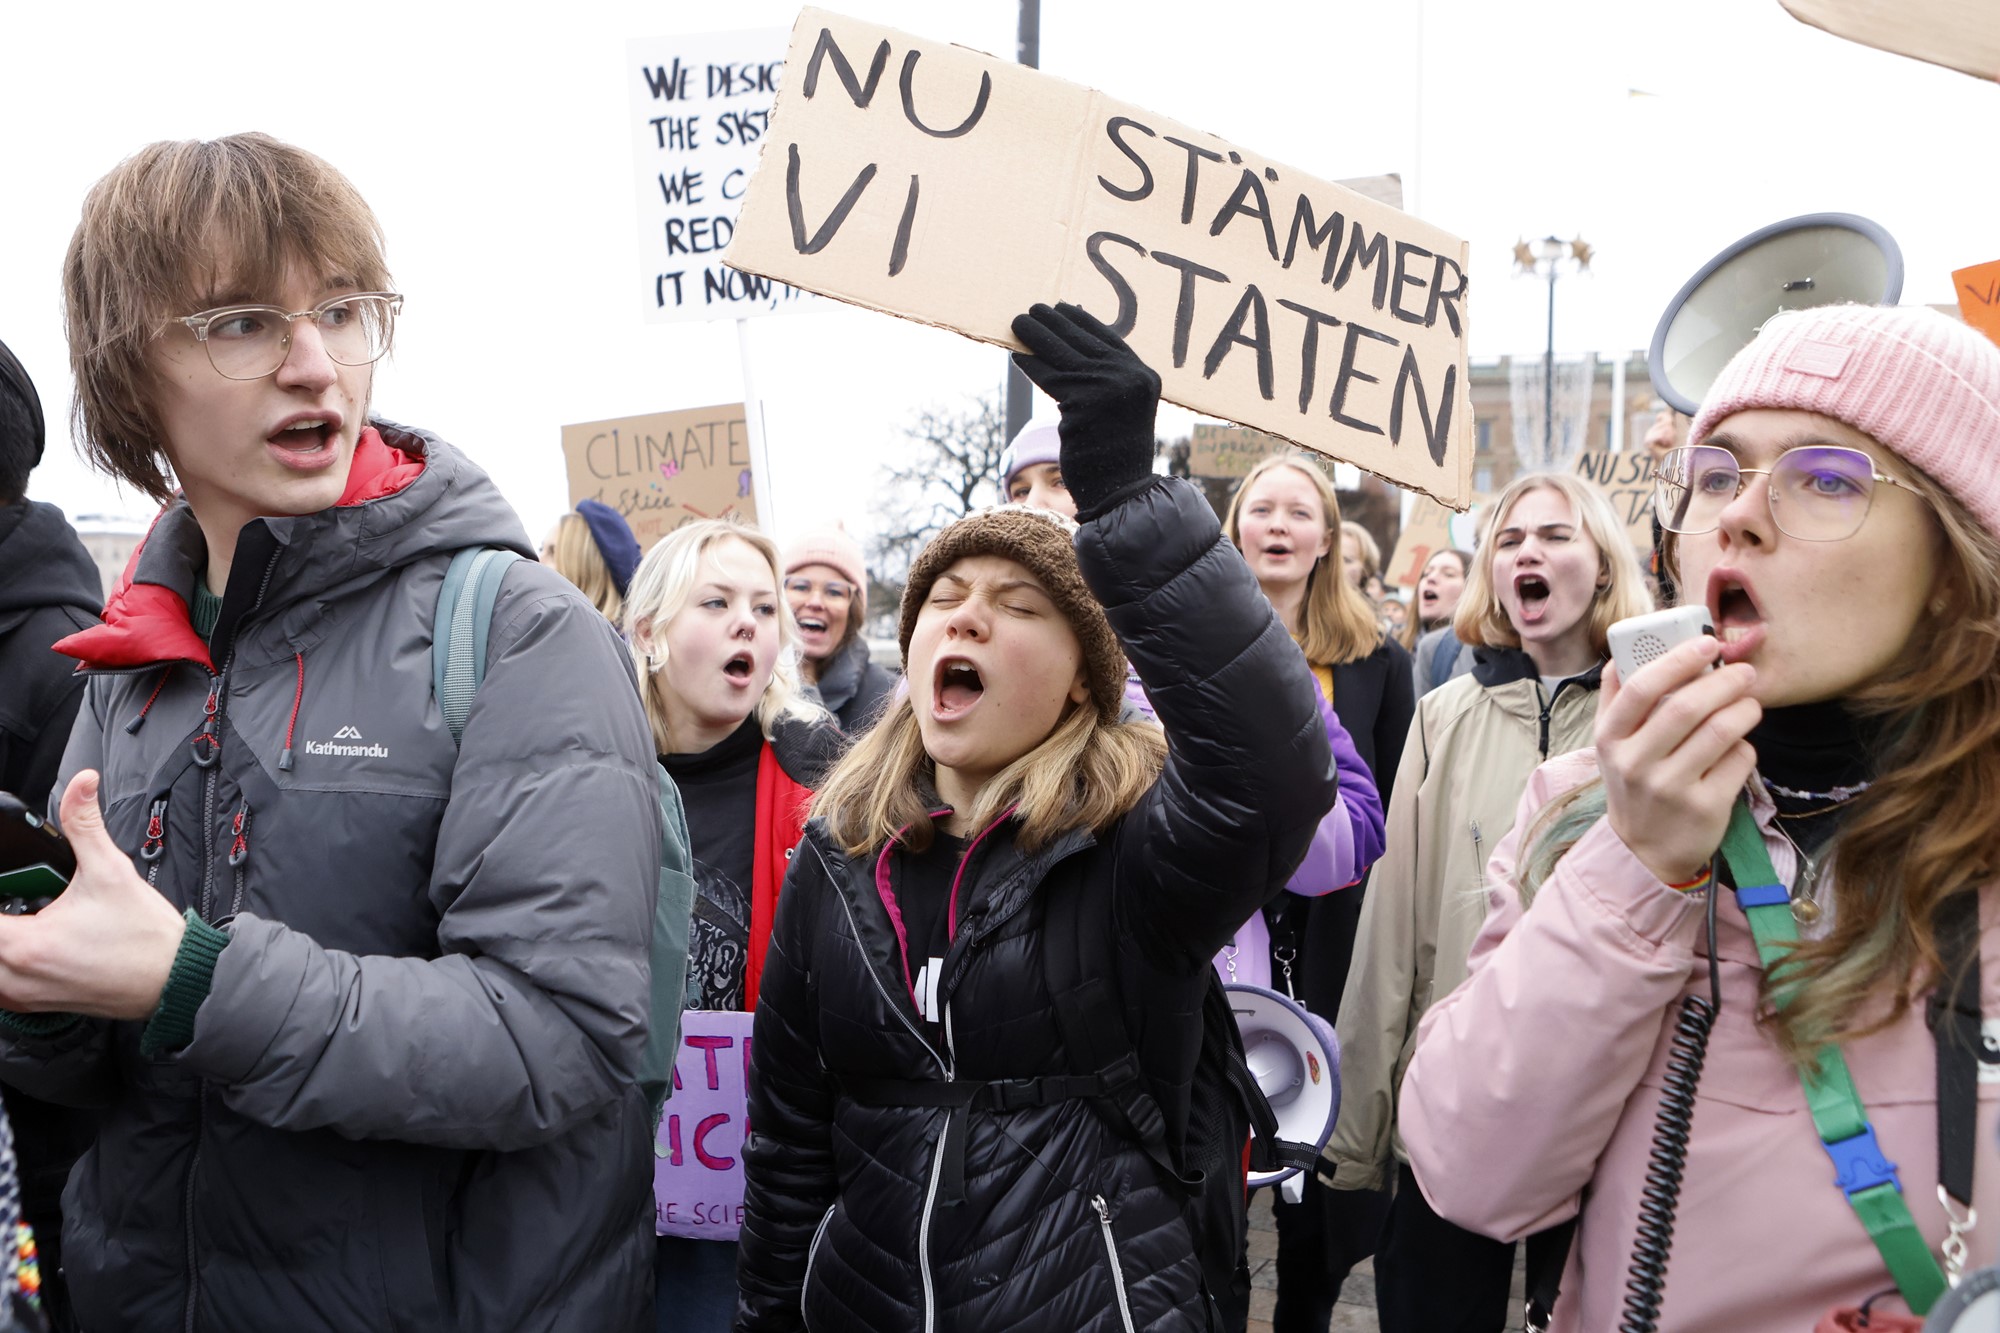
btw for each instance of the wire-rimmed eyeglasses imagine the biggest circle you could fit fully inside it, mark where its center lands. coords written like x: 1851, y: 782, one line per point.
x: 248, y: 342
x: 1819, y: 492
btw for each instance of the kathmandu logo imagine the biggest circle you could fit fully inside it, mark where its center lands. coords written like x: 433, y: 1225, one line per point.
x: 348, y: 733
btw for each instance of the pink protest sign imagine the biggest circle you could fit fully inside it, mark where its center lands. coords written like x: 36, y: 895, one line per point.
x: 698, y: 1157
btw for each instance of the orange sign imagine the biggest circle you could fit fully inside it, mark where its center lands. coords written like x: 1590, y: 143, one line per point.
x: 1978, y: 291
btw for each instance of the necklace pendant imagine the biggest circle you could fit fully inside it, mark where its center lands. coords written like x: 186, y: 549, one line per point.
x: 1806, y: 911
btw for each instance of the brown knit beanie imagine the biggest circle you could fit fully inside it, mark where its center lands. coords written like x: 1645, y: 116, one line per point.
x: 1043, y: 543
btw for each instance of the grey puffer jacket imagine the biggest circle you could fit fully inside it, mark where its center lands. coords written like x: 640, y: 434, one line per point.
x: 410, y: 1101
x: 853, y: 688
x: 1064, y: 1222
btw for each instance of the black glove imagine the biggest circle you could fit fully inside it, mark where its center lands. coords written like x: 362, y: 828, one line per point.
x: 1107, y: 395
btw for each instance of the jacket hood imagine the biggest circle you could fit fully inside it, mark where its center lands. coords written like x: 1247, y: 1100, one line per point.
x: 45, y: 563
x: 409, y: 496
x: 1503, y: 666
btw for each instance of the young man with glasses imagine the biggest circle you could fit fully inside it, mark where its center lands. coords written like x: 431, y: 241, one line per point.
x: 360, y: 1012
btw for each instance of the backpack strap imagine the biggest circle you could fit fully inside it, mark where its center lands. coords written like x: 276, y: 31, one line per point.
x: 458, y: 631
x: 1092, y: 1023
x: 1861, y: 1172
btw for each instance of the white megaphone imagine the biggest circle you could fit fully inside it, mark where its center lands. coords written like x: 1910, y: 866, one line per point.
x: 1295, y: 1059
x: 1817, y: 259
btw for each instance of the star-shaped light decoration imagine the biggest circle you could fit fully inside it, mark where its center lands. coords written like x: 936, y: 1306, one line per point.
x: 1524, y: 255
x: 1581, y: 250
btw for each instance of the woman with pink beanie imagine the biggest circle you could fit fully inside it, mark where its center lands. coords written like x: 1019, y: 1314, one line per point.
x: 1784, y: 838
x: 827, y: 587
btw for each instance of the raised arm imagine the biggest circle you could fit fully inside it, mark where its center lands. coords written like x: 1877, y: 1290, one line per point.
x: 1249, y: 772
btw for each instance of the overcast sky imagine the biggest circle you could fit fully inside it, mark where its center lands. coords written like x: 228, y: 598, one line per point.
x: 495, y: 147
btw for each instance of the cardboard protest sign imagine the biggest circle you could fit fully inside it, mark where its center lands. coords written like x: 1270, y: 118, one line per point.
x: 665, y: 469
x: 1959, y: 34
x: 1627, y: 481
x: 1426, y: 532
x: 700, y: 107
x: 1978, y: 291
x: 1231, y: 451
x: 946, y: 186
x: 698, y: 1154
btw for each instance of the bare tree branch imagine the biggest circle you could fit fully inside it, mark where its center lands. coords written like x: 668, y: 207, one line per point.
x: 950, y: 468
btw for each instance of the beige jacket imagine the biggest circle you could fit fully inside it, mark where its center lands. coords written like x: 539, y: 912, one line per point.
x: 1473, y: 744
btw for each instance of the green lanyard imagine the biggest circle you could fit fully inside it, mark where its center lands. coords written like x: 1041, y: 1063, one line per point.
x: 1860, y: 1171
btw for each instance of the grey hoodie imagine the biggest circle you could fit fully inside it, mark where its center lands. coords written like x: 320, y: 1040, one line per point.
x: 410, y: 1098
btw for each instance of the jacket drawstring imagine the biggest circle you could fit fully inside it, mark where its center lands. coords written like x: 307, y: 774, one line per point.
x: 132, y: 727
x: 298, y: 697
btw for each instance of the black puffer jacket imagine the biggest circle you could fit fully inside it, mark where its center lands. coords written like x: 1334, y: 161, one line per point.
x: 1065, y: 1224
x: 48, y: 591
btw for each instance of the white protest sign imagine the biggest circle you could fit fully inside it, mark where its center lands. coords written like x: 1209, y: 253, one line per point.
x: 700, y: 107
x: 943, y: 185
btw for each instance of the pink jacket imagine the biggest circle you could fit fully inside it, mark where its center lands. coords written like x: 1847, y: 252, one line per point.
x: 1534, y: 1086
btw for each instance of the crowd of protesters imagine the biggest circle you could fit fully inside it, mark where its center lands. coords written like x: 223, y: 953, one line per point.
x: 354, y: 1011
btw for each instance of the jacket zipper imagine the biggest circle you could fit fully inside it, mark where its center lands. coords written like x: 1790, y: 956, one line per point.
x: 924, y: 1231
x: 1117, y: 1269
x: 1478, y: 854
x: 812, y: 1253
x: 937, y: 1153
x: 217, y: 692
x: 944, y: 1065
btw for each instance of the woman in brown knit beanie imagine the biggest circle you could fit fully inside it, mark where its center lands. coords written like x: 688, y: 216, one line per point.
x: 935, y: 1145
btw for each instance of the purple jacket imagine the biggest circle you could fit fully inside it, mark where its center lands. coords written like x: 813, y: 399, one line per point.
x: 1348, y: 841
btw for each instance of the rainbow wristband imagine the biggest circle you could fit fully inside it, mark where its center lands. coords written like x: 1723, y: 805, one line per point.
x: 1700, y: 881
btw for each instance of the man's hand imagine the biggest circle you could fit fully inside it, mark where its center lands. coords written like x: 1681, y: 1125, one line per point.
x: 105, y: 945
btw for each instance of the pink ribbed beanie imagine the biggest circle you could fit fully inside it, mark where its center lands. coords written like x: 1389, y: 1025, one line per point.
x: 1917, y: 382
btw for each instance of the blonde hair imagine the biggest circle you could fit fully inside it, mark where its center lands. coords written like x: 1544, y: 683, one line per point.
x: 1621, y: 591
x: 1340, y: 625
x: 1371, y: 553
x: 660, y: 590
x: 575, y: 556
x: 171, y: 230
x: 1086, y: 773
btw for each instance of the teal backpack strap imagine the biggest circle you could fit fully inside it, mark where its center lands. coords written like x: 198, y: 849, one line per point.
x: 1861, y: 1172
x: 673, y: 910
x: 458, y: 632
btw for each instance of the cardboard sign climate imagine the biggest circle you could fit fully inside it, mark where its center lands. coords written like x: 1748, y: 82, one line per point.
x: 943, y: 185
x: 665, y: 469
x: 698, y: 1153
x: 700, y: 107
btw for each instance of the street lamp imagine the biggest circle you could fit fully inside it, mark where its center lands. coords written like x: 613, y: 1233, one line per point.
x: 1545, y: 259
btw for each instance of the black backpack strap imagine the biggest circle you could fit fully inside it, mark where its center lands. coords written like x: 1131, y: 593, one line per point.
x: 1092, y: 1024
x: 1548, y: 1255
x: 1955, y: 1025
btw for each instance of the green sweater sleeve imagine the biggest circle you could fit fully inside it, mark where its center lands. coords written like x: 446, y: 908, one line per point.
x: 172, y: 1024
